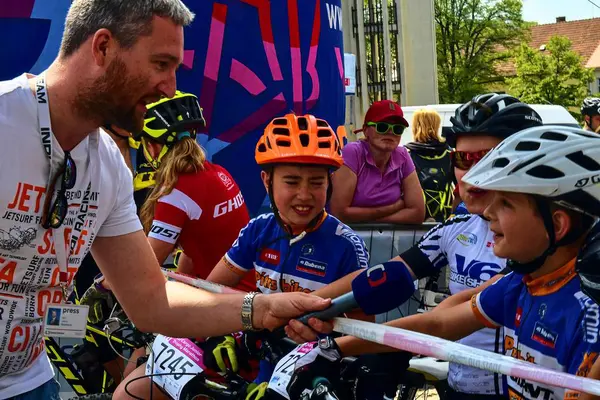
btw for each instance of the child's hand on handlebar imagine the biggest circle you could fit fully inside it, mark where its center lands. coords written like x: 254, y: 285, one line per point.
x: 275, y: 310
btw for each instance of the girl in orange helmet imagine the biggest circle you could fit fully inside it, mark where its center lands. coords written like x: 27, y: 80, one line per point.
x: 299, y: 246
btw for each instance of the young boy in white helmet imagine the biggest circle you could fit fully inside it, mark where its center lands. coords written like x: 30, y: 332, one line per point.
x: 546, y: 198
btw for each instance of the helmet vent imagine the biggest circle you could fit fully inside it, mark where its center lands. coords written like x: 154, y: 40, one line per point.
x: 262, y: 148
x: 556, y: 136
x: 304, y: 139
x: 545, y: 172
x: 526, y: 163
x: 584, y: 161
x: 269, y: 144
x: 527, y: 146
x: 322, y: 124
x: 302, y: 124
x: 324, y: 145
x: 323, y: 133
x: 500, y: 162
x: 281, y: 131
x: 283, y: 143
x: 280, y: 121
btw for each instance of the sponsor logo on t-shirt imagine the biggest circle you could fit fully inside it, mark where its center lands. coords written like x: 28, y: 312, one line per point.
x: 270, y: 256
x: 226, y: 180
x: 311, y: 266
x: 518, y: 317
x: 591, y: 318
x: 362, y: 256
x: 229, y: 205
x: 466, y: 239
x: 308, y: 249
x: 514, y: 352
x: 473, y: 273
x: 544, y: 335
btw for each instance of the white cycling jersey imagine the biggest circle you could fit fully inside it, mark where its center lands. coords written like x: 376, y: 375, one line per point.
x: 465, y: 244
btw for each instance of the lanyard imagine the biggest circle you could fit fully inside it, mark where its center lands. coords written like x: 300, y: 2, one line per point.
x: 81, y: 222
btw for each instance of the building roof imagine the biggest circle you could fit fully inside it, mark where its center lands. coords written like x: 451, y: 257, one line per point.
x: 584, y: 35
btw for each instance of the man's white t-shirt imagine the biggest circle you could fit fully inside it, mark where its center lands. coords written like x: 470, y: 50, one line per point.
x: 29, y: 274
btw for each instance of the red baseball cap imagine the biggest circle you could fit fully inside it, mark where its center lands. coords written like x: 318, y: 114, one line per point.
x: 385, y: 111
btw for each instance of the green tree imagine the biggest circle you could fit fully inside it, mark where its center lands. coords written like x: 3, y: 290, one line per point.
x: 473, y: 36
x: 555, y: 75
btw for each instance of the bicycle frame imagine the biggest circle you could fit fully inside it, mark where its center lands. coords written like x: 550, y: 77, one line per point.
x: 69, y: 369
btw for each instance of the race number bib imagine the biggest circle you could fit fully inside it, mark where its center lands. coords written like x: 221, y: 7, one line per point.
x: 286, y: 366
x: 181, y: 359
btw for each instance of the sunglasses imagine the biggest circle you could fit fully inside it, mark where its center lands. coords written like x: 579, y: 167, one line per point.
x: 54, y: 215
x: 385, y: 127
x: 465, y: 159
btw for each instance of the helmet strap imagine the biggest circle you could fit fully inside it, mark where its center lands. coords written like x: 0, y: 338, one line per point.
x: 153, y: 162
x: 109, y: 128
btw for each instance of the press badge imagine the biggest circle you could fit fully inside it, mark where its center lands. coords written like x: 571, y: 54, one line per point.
x: 65, y: 320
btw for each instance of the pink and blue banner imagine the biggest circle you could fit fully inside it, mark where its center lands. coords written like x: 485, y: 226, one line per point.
x: 247, y: 60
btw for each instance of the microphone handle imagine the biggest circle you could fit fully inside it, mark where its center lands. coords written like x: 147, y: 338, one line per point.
x: 339, y: 305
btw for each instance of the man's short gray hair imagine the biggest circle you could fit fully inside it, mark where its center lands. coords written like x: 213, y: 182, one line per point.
x: 126, y: 19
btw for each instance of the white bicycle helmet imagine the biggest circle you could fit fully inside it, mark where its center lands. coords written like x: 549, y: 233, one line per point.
x: 556, y: 162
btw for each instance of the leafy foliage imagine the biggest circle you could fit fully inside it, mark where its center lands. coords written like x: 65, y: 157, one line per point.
x: 553, y: 76
x: 473, y: 36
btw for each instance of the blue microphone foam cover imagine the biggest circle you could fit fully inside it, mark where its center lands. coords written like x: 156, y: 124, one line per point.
x: 383, y: 287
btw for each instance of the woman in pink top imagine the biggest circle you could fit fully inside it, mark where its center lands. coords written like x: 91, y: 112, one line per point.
x: 378, y: 182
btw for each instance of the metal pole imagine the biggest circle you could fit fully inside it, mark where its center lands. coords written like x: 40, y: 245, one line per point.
x: 387, y: 49
x: 400, y: 53
x: 362, y: 57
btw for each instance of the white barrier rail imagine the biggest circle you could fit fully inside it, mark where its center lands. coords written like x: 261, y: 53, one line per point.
x: 199, y: 283
x: 432, y: 346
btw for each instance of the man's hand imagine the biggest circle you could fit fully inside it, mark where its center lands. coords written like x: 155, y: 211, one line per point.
x: 274, y: 310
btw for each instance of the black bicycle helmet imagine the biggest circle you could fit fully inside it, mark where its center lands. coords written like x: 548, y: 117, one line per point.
x: 588, y: 264
x: 492, y: 114
x: 170, y: 116
x: 591, y: 106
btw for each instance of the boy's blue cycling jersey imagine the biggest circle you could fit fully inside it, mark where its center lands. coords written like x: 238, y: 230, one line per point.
x: 325, y: 254
x: 547, y: 321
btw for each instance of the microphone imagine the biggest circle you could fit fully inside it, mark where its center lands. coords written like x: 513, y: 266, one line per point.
x: 376, y: 290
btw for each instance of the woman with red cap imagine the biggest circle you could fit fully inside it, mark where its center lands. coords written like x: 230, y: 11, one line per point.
x: 378, y: 182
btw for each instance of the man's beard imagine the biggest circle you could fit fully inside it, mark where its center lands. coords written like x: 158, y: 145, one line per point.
x: 113, y: 97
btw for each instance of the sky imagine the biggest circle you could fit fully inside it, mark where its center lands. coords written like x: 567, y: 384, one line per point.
x: 546, y: 11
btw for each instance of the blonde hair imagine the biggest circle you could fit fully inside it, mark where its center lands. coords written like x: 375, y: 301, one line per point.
x: 185, y: 157
x: 426, y: 126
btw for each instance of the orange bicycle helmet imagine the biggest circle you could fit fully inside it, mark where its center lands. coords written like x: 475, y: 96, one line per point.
x: 299, y: 140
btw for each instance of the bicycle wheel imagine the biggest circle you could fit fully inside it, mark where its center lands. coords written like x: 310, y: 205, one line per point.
x: 95, y: 396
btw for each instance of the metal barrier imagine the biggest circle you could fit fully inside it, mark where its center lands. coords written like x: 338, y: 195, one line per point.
x: 386, y: 241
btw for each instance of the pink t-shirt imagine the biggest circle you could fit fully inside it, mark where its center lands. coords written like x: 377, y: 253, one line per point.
x: 372, y: 187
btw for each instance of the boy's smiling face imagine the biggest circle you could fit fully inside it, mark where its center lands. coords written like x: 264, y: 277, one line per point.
x: 519, y: 232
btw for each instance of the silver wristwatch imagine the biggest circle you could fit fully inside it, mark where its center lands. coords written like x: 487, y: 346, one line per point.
x: 247, y: 311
